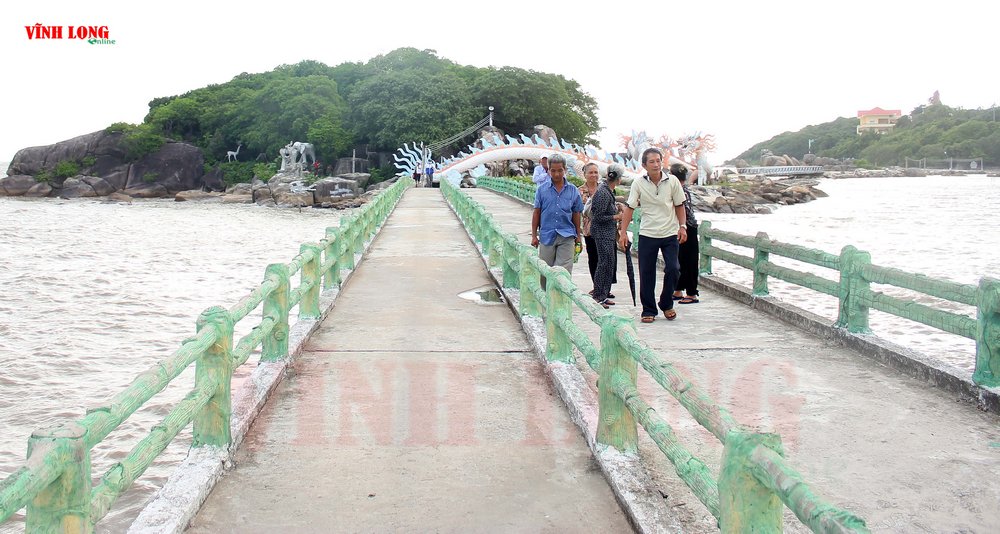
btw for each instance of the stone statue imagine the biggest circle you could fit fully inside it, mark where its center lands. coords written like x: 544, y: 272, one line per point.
x: 230, y: 155
x: 305, y: 150
x: 289, y: 155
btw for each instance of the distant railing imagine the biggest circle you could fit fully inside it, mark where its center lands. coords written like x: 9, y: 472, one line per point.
x: 853, y: 290
x: 55, y: 482
x: 755, y: 478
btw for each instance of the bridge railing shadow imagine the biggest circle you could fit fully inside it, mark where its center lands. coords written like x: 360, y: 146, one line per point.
x: 55, y: 486
x: 755, y: 478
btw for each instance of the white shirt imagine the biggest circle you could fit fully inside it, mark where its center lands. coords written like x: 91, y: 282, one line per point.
x: 659, y: 218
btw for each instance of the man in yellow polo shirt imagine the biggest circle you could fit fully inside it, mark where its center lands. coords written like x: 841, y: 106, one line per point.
x: 661, y: 198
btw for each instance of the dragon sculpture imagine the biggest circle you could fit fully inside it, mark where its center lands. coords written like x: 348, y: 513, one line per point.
x: 689, y: 151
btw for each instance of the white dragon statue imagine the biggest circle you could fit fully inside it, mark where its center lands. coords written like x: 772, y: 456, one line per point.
x: 473, y: 159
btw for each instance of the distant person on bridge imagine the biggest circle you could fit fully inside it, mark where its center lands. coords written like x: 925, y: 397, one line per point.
x: 556, y: 220
x: 429, y: 174
x: 687, y: 254
x: 541, y: 174
x: 662, y: 200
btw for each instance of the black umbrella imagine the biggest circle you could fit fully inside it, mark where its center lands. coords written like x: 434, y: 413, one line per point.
x: 630, y: 269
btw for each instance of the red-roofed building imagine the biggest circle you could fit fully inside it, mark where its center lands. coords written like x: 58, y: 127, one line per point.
x: 878, y: 120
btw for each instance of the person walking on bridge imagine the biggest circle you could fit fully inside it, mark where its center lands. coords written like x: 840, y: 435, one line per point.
x: 661, y: 231
x: 555, y: 221
x: 603, y: 230
x: 541, y: 174
x: 687, y: 254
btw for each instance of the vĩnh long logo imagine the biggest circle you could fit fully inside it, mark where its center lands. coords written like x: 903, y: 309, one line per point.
x: 95, y: 35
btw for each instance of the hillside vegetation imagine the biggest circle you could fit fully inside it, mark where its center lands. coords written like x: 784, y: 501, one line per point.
x: 404, y: 96
x: 933, y: 131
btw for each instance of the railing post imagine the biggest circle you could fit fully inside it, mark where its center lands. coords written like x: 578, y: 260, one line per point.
x: 705, y: 238
x: 746, y: 505
x: 495, y: 242
x: 634, y: 226
x: 275, y: 344
x: 529, y: 281
x: 759, y: 257
x: 987, y: 371
x: 309, y: 305
x: 64, y: 505
x: 332, y: 276
x: 347, y: 234
x: 852, y: 313
x: 510, y: 278
x: 215, y: 367
x: 616, y: 425
x: 559, y: 347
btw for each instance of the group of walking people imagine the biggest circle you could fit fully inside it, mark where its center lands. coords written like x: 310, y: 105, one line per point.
x: 564, y: 216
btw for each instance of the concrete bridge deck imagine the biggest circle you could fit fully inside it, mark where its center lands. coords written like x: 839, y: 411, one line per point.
x: 415, y: 410
x: 903, y: 455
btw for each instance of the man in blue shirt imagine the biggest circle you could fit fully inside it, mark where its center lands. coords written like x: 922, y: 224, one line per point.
x: 429, y: 173
x: 555, y: 221
x: 541, y: 174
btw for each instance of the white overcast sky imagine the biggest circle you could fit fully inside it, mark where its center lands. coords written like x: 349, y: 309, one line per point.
x: 744, y: 71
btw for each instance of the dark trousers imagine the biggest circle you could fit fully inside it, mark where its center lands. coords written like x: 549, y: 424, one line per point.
x: 606, y: 266
x: 592, y: 258
x: 650, y: 248
x: 687, y: 257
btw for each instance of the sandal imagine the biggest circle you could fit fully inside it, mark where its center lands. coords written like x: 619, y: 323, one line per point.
x: 689, y: 300
x: 678, y: 297
x: 670, y: 314
x: 648, y: 318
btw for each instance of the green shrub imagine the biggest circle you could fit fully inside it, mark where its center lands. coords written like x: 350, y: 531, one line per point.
x: 65, y: 169
x: 142, y: 141
x: 150, y: 177
x: 119, y: 127
x: 88, y: 161
x: 237, y: 172
x: 43, y: 177
x: 264, y: 171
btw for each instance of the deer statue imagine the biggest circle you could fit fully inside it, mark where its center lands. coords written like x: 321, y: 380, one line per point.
x: 230, y: 155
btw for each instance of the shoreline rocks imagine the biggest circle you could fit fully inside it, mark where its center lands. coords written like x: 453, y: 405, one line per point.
x: 754, y: 195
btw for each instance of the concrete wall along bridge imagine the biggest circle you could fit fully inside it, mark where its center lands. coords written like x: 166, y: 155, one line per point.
x: 451, y: 414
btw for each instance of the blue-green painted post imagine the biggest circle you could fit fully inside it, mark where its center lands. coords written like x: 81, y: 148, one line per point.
x: 309, y: 305
x: 987, y: 371
x: 634, y: 227
x: 332, y: 276
x: 275, y: 344
x: 852, y: 314
x: 510, y: 278
x: 64, y: 505
x: 760, y: 256
x: 529, y: 305
x: 347, y: 235
x: 705, y: 241
x: 616, y: 425
x: 746, y: 505
x: 559, y: 347
x: 215, y: 369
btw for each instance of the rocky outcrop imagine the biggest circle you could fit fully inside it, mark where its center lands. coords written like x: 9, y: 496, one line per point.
x: 754, y: 196
x: 544, y: 132
x: 101, y: 162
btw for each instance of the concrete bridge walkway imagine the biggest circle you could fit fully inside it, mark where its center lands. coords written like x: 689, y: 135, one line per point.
x: 903, y: 455
x: 414, y: 409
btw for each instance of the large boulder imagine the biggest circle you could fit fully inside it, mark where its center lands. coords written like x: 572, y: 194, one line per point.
x: 360, y: 178
x: 332, y: 189
x: 147, y: 191
x: 197, y: 194
x: 175, y: 166
x: 102, y: 155
x: 16, y: 185
x: 100, y: 185
x: 76, y: 188
x: 544, y: 132
x: 39, y: 190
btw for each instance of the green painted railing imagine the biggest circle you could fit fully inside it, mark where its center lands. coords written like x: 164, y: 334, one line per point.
x: 853, y: 290
x: 55, y: 482
x: 754, y: 480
